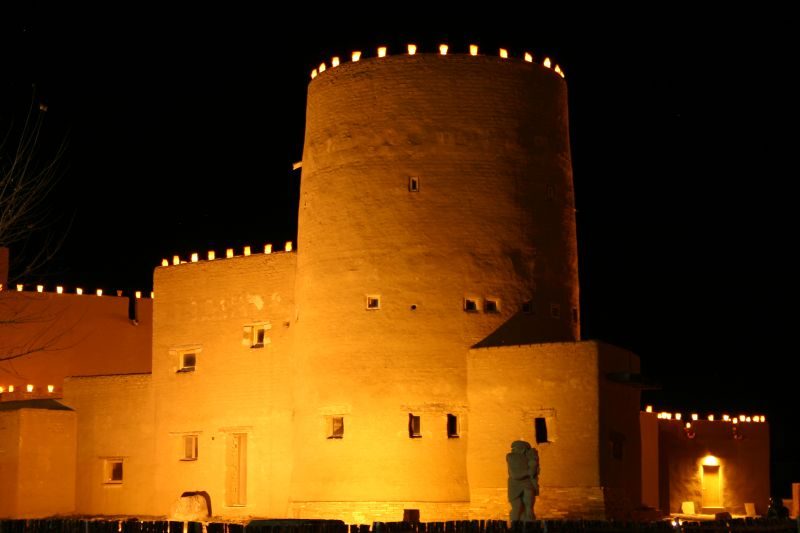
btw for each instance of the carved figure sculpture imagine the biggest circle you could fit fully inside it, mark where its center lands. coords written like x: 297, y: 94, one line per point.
x: 523, y: 480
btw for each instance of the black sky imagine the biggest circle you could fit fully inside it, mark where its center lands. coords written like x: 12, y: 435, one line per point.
x: 183, y: 125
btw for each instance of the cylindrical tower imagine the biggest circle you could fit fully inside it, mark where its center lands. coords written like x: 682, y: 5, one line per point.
x: 436, y: 213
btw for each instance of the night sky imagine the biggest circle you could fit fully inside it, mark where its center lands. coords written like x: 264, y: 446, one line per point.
x: 182, y: 127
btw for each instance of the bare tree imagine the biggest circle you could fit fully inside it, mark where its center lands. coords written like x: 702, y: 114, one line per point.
x: 27, y: 179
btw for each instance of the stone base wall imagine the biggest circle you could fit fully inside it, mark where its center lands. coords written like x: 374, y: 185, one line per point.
x: 369, y: 512
x: 552, y: 503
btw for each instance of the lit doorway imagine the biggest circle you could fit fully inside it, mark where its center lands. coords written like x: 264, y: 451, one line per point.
x: 712, y: 486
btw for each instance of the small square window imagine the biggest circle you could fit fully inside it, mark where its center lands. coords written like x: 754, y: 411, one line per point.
x: 255, y: 335
x: 540, y: 426
x: 373, y: 302
x: 414, y: 426
x: 527, y: 308
x: 471, y: 305
x: 555, y: 310
x: 335, y: 427
x: 188, y: 361
x: 452, y: 426
x: 189, y: 448
x: 413, y: 184
x: 112, y: 471
x: 492, y: 305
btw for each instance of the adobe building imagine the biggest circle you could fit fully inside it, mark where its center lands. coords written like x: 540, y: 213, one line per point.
x: 705, y: 466
x: 429, y: 317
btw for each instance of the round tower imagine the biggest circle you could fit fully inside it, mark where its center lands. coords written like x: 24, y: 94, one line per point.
x: 436, y: 213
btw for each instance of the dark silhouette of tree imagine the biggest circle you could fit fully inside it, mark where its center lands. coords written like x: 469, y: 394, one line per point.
x: 28, y: 177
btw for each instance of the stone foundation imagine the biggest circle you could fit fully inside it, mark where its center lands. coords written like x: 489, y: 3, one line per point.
x: 553, y: 502
x: 368, y: 512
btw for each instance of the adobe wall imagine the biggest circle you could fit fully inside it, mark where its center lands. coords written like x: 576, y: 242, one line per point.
x: 115, y: 421
x: 234, y: 389
x: 493, y: 219
x: 744, y: 463
x: 46, y: 482
x: 37, y: 463
x: 511, y: 386
x: 650, y: 483
x: 9, y: 463
x: 620, y: 436
x: 82, y: 335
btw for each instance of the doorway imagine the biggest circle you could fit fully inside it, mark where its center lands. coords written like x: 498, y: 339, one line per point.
x: 236, y: 470
x: 712, y: 486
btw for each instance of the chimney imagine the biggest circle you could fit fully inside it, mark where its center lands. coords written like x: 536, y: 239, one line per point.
x: 4, y: 266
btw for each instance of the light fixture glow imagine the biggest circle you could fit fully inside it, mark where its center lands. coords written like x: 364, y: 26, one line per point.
x: 710, y: 418
x: 559, y: 71
x: 504, y: 53
x: 356, y: 56
x: 164, y: 263
x: 381, y: 51
x: 710, y: 460
x: 267, y: 248
x: 229, y: 253
x: 443, y: 49
x: 694, y: 416
x: 50, y: 388
x: 547, y: 62
x: 29, y: 388
x: 99, y: 292
x: 60, y: 289
x: 40, y: 288
x: 246, y: 251
x: 335, y: 61
x: 322, y: 67
x: 412, y: 49
x: 528, y: 57
x: 138, y: 294
x: 195, y: 257
x: 313, y: 74
x: 212, y: 255
x: 78, y: 290
x: 176, y: 260
x: 19, y: 287
x: 473, y: 49
x: 648, y: 409
x: 288, y: 246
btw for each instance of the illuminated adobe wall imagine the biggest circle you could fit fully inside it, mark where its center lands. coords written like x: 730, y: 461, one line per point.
x: 37, y: 460
x: 509, y: 387
x: 115, y: 422
x: 493, y: 219
x: 83, y: 335
x: 620, y: 437
x: 741, y: 450
x: 234, y: 389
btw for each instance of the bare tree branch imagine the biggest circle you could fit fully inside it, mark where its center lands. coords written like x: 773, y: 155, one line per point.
x: 28, y: 178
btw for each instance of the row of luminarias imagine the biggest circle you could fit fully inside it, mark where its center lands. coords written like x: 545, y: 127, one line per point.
x: 78, y: 290
x: 28, y: 388
x: 212, y: 255
x: 443, y: 50
x: 664, y: 415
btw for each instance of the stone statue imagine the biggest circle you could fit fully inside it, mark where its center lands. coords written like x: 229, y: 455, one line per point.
x: 523, y: 480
